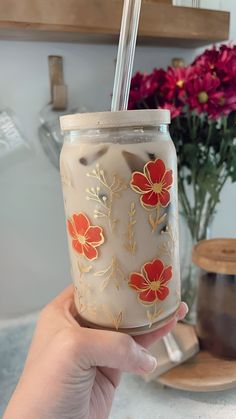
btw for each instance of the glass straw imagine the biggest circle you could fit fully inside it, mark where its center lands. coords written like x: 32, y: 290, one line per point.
x: 125, y: 56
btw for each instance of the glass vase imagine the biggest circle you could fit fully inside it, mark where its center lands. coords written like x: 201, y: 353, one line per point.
x: 188, y: 270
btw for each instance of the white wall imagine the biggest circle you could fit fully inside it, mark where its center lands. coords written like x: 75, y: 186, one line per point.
x: 33, y: 253
x: 224, y: 223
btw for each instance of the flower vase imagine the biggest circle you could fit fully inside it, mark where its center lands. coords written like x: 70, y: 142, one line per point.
x: 189, y: 277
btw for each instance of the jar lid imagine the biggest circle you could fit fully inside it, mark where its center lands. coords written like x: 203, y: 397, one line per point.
x: 216, y: 255
x: 98, y: 120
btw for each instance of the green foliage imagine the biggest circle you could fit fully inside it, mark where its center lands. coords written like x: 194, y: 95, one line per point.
x: 206, y: 159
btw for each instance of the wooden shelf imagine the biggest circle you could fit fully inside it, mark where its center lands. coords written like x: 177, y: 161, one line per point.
x: 99, y: 21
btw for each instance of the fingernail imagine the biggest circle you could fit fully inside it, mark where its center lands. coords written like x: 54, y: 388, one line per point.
x: 147, y: 362
x: 183, y: 311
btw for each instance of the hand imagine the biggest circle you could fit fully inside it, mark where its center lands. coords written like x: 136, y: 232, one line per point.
x: 71, y: 372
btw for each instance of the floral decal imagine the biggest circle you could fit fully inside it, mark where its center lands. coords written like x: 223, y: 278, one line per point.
x: 151, y: 284
x: 153, y: 185
x: 85, y: 238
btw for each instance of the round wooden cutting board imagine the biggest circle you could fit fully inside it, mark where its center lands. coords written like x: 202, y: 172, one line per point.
x: 203, y: 372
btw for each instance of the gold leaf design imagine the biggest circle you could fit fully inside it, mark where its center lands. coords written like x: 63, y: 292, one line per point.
x: 151, y: 222
x: 65, y: 178
x: 177, y: 293
x: 130, y: 243
x: 94, y: 194
x: 91, y: 310
x: 83, y: 293
x: 105, y: 197
x: 153, y: 316
x: 166, y: 248
x: 84, y: 289
x: 159, y: 219
x: 170, y: 232
x: 115, y: 187
x: 83, y: 268
x: 80, y: 304
x: 112, y: 273
x: 115, y: 320
x: 162, y: 218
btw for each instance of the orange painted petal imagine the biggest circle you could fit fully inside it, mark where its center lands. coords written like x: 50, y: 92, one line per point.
x: 166, y: 275
x: 155, y: 170
x: 162, y: 293
x: 164, y: 198
x: 90, y: 252
x: 167, y: 179
x: 81, y: 223
x: 148, y: 296
x: 153, y: 270
x: 137, y: 281
x: 94, y: 236
x: 150, y: 199
x: 77, y: 246
x: 71, y: 229
x: 140, y: 183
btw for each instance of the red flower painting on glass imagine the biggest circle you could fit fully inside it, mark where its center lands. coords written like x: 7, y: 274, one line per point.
x: 85, y: 237
x: 153, y: 185
x: 152, y: 283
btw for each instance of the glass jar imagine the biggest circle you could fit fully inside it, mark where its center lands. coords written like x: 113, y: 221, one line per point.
x: 216, y: 299
x: 119, y: 179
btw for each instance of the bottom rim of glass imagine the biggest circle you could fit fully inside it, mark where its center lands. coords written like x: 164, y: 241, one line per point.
x: 133, y: 331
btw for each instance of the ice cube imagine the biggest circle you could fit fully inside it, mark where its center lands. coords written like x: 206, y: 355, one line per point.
x: 151, y: 156
x: 134, y: 162
x: 86, y: 161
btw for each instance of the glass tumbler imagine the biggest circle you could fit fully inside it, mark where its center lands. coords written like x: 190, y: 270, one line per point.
x: 119, y: 180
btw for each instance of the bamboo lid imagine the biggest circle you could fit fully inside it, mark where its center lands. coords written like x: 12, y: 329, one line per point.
x: 216, y: 255
x: 97, y: 120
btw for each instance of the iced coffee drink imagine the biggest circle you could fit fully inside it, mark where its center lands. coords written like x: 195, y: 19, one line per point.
x: 119, y: 179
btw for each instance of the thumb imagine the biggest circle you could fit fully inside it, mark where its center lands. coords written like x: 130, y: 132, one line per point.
x: 114, y: 350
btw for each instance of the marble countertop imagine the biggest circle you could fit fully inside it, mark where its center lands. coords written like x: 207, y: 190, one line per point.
x: 135, y: 399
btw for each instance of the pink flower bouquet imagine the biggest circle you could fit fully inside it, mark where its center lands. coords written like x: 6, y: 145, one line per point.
x: 202, y: 101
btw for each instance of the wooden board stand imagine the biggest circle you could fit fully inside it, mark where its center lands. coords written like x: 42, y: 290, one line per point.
x: 203, y: 372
